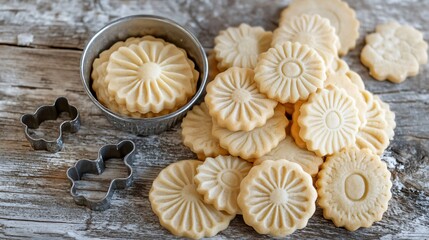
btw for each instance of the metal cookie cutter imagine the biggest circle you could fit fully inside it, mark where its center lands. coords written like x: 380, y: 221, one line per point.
x: 51, y: 112
x: 124, y: 150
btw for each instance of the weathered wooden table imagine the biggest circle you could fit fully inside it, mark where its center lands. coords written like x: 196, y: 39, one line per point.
x: 40, y: 47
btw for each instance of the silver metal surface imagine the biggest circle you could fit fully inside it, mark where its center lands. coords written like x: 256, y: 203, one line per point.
x: 137, y: 26
x: 51, y: 112
x: 124, y: 150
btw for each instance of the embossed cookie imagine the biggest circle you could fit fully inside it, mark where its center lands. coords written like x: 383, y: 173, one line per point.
x: 277, y: 197
x: 287, y: 149
x: 197, y: 133
x: 219, y: 179
x: 295, y: 128
x: 390, y: 117
x: 354, y: 188
x: 240, y: 46
x: 235, y: 102
x: 312, y: 30
x: 340, y: 16
x: 289, y: 72
x: 329, y: 121
x: 374, y: 133
x: 257, y: 142
x: 394, y: 52
x: 180, y: 208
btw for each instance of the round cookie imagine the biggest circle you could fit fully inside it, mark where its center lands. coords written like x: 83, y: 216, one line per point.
x: 180, y: 208
x: 197, y: 133
x: 240, y: 46
x: 354, y: 188
x: 340, y: 16
x: 277, y: 197
x: 289, y: 72
x: 235, y: 102
x: 257, y: 142
x: 219, y: 179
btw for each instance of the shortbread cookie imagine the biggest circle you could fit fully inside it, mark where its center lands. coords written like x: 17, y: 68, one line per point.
x: 235, y: 102
x: 218, y: 180
x: 240, y: 46
x: 354, y: 188
x: 287, y: 149
x: 277, y: 197
x: 390, y: 117
x: 394, y: 52
x: 329, y: 121
x: 180, y: 208
x: 341, y: 69
x: 340, y: 16
x: 338, y: 66
x: 374, y: 134
x: 197, y: 133
x: 257, y: 142
x: 294, y: 130
x: 213, y: 70
x: 289, y: 72
x: 356, y: 79
x: 312, y: 30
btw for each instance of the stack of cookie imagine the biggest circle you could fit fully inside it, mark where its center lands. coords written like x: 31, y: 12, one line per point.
x: 144, y: 77
x: 283, y: 116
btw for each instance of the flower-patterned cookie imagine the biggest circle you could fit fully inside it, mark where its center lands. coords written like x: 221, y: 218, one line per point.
x: 257, y: 142
x: 374, y: 133
x: 240, y: 46
x: 312, y: 30
x: 394, y: 52
x: 340, y: 16
x: 295, y: 129
x: 277, y: 198
x: 329, y: 121
x: 149, y: 77
x: 180, y: 208
x: 354, y: 188
x: 289, y: 72
x: 219, y: 179
x: 235, y: 102
x: 390, y: 117
x: 197, y: 133
x: 287, y: 149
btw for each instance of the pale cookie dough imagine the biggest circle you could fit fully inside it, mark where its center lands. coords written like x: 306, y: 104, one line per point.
x: 180, y: 208
x: 219, y: 179
x: 277, y: 198
x: 354, y: 188
x: 197, y: 133
x: 257, y: 142
x: 289, y: 72
x: 355, y: 79
x: 394, y: 52
x: 312, y: 30
x: 374, y: 134
x: 235, y: 102
x: 294, y: 129
x: 149, y: 77
x: 340, y: 16
x: 390, y: 117
x: 287, y: 149
x: 338, y: 66
x: 329, y: 121
x: 240, y: 46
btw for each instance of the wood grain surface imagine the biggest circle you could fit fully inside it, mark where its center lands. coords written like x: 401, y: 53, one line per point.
x: 40, y: 48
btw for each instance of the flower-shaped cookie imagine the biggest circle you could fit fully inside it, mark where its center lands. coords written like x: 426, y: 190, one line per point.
x: 289, y: 72
x: 312, y: 30
x: 240, y: 46
x: 197, y: 133
x: 374, y: 133
x: 390, y: 117
x: 257, y: 142
x: 329, y: 121
x: 219, y: 179
x: 277, y: 197
x: 287, y: 149
x: 235, y: 102
x: 149, y: 77
x: 394, y: 52
x: 354, y: 188
x: 180, y: 208
x: 340, y: 16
